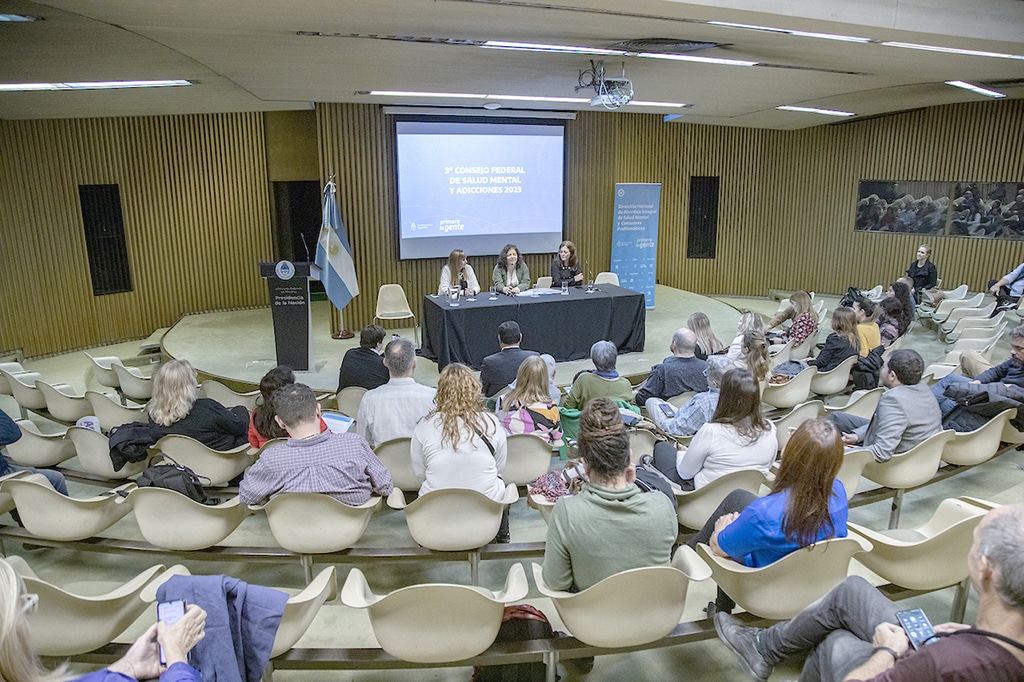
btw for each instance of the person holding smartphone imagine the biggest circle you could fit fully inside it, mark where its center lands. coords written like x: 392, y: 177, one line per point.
x: 854, y: 632
x: 19, y: 663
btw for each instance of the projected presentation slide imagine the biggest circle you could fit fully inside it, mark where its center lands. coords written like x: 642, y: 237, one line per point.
x: 478, y: 186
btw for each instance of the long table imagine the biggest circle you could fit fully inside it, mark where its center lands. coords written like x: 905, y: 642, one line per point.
x: 564, y: 326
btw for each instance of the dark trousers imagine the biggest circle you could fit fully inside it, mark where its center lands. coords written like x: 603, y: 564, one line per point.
x: 665, y: 455
x: 736, y: 501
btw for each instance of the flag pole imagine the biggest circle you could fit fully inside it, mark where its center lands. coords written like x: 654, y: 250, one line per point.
x: 334, y: 257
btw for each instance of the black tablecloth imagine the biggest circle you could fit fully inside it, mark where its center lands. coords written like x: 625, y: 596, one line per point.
x: 564, y: 326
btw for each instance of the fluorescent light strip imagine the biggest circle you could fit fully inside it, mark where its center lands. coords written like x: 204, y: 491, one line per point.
x: 812, y: 110
x: 95, y: 85
x: 952, y: 50
x: 641, y: 103
x: 17, y: 17
x: 787, y: 31
x: 528, y: 98
x: 975, y: 88
x: 468, y: 95
x: 694, y: 58
x: 540, y: 47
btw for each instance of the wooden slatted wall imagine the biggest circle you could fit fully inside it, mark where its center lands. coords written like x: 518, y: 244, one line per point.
x: 197, y: 221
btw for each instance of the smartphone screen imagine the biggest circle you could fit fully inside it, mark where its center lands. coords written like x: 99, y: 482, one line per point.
x: 666, y: 409
x: 916, y: 625
x: 169, y: 612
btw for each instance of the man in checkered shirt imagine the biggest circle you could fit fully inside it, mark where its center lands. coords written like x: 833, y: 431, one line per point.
x: 341, y: 465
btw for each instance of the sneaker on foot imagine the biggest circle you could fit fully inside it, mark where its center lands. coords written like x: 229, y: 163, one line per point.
x: 742, y: 641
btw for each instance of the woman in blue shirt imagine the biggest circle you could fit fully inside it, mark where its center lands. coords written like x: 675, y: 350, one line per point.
x: 807, y: 504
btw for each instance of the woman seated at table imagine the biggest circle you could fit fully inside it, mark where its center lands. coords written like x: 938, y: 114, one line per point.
x: 807, y: 505
x: 565, y: 267
x: 511, y: 275
x: 603, y: 382
x: 464, y: 278
x: 528, y: 407
x: 737, y: 437
x: 459, y: 444
x: 174, y: 408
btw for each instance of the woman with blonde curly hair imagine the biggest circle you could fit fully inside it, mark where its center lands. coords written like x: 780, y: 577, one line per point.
x: 18, y: 662
x: 459, y: 444
x: 175, y: 408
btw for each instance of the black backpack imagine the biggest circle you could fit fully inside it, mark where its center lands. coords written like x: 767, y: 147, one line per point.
x: 519, y: 623
x: 176, y: 477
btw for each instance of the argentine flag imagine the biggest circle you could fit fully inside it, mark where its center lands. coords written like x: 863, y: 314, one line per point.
x: 334, y: 255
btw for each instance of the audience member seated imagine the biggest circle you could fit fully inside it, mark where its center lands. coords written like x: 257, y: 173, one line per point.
x: 698, y: 410
x: 499, y: 369
x: 840, y: 344
x: 901, y: 292
x: 852, y: 633
x: 603, y: 382
x: 464, y: 280
x: 889, y: 320
x: 748, y: 321
x: 906, y: 414
x: 707, y: 342
x: 1009, y: 289
x: 262, y: 425
x: 610, y: 526
x: 174, y: 408
x: 807, y: 504
x: 362, y: 366
x: 1005, y: 379
x: 458, y: 444
x: 679, y: 373
x: 923, y: 272
x: 754, y: 355
x: 565, y: 267
x: 867, y: 328
x: 10, y: 433
x: 341, y: 465
x: 528, y: 407
x: 511, y: 275
x: 805, y: 321
x: 392, y: 410
x: 737, y: 437
x: 19, y: 663
x: 553, y: 391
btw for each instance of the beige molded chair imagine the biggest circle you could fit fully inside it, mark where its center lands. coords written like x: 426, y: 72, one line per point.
x: 529, y: 456
x: 48, y: 514
x: 453, y: 519
x: 315, y: 523
x: 93, y: 452
x: 607, y: 278
x: 812, y: 409
x: 220, y: 466
x: 23, y: 387
x: 103, y: 370
x: 852, y: 468
x: 791, y: 393
x: 227, y: 397
x: 614, y: 613
x: 133, y: 383
x: 10, y: 368
x: 36, y: 449
x: 111, y: 413
x: 947, y: 306
x: 641, y: 442
x: 435, y: 623
x: 395, y: 456
x: 783, y: 589
x: 694, y: 508
x: 302, y: 608
x: 978, y: 338
x: 1012, y: 435
x: 541, y: 504
x: 68, y: 624
x: 782, y: 354
x: 835, y: 380
x: 909, y: 469
x: 348, y: 400
x: 678, y: 401
x: 964, y: 312
x: 979, y: 324
x: 543, y: 282
x: 6, y: 501
x: 63, y: 407
x: 393, y: 305
x: 873, y: 293
x: 980, y: 445
x: 174, y: 521
x: 806, y: 349
x: 861, y: 403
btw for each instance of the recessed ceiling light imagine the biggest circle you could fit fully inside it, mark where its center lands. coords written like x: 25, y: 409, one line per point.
x: 975, y: 88
x: 92, y: 85
x: 18, y: 17
x: 540, y: 47
x: 953, y: 50
x: 813, y: 110
x: 695, y: 58
x: 787, y: 31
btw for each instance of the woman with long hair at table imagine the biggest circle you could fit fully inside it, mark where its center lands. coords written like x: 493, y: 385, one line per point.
x: 458, y: 273
x: 510, y: 274
x: 565, y: 267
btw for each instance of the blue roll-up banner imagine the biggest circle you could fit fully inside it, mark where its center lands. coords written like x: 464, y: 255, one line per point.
x: 635, y: 236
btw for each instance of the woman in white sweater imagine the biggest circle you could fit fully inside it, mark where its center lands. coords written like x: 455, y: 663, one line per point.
x: 737, y: 437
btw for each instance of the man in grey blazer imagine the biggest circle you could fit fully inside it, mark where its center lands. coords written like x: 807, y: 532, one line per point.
x: 906, y: 415
x: 499, y: 369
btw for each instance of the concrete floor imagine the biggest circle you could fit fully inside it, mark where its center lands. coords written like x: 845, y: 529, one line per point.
x: 1001, y: 480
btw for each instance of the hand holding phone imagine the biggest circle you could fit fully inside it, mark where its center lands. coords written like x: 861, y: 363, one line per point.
x: 917, y: 626
x: 169, y: 612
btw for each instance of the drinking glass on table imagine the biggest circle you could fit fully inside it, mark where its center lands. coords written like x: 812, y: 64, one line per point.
x: 565, y: 288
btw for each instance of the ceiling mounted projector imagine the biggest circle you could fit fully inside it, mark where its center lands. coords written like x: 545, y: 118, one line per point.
x: 610, y: 92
